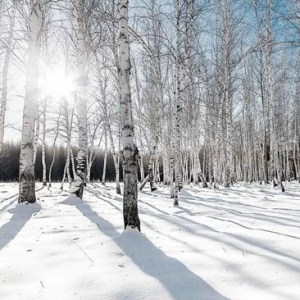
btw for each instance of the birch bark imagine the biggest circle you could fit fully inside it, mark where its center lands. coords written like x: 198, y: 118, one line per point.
x: 54, y: 149
x: 27, y: 163
x: 178, y: 101
x: 226, y: 95
x: 130, y: 151
x: 5, y: 71
x: 105, y: 155
x: 81, y: 93
x: 44, y: 142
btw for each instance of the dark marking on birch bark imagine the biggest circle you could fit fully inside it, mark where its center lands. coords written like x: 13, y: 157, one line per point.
x: 27, y: 187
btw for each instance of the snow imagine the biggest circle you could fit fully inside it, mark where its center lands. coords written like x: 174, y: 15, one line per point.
x: 237, y: 243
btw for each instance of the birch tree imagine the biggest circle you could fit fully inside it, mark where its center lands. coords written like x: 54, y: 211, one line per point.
x: 178, y: 100
x: 5, y: 72
x: 81, y: 94
x: 130, y: 151
x: 44, y: 142
x: 27, y: 163
x: 56, y: 132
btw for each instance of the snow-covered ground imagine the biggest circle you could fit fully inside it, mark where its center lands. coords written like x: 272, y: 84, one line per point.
x: 239, y: 243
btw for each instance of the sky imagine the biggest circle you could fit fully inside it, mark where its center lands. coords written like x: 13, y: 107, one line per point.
x: 17, y: 70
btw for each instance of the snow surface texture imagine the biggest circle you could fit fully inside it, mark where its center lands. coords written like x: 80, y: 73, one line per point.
x: 237, y: 243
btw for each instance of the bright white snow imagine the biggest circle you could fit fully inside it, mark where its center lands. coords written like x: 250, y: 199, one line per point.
x: 238, y: 243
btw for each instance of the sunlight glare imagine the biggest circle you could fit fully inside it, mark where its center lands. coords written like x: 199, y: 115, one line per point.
x: 57, y: 84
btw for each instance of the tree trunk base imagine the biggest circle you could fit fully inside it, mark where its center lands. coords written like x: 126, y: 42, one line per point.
x: 144, y: 182
x: 118, y: 189
x: 27, y: 189
x: 79, y: 192
x: 77, y: 188
x: 131, y: 218
x: 172, y: 191
x: 204, y: 184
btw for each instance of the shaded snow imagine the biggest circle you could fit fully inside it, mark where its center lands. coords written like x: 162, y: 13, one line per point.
x: 238, y: 243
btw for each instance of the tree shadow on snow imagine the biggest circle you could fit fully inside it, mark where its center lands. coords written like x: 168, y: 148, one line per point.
x: 7, y: 205
x: 101, y: 197
x: 265, y: 215
x: 178, y: 280
x: 21, y: 214
x: 218, y: 200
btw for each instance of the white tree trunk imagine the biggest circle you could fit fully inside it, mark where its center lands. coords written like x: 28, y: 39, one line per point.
x: 81, y: 93
x: 27, y: 175
x: 6, y: 69
x: 105, y: 156
x: 72, y: 162
x: 130, y: 151
x: 54, y: 149
x: 1, y: 11
x: 178, y: 102
x: 226, y: 86
x: 115, y: 159
x: 142, y: 172
x: 36, y: 134
x: 44, y: 143
x: 66, y: 169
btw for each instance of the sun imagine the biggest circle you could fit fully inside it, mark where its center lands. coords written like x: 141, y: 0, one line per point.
x: 57, y: 84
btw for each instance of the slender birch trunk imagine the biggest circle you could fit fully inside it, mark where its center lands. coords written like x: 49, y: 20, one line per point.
x: 295, y: 152
x: 130, y: 151
x: 118, y: 187
x: 1, y: 12
x: 269, y: 77
x: 139, y: 103
x: 92, y: 153
x: 157, y: 171
x: 66, y: 173
x: 27, y: 163
x: 216, y: 146
x: 44, y: 143
x: 172, y: 162
x: 106, y: 113
x: 166, y: 170
x: 115, y: 158
x: 105, y: 156
x: 157, y: 130
x: 226, y: 95
x: 5, y: 71
x: 115, y: 45
x: 178, y: 102
x: 72, y: 162
x: 36, y: 134
x: 142, y: 172
x: 81, y: 92
x: 54, y: 149
x: 66, y: 169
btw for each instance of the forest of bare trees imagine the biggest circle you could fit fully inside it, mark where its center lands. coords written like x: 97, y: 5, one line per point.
x: 180, y: 92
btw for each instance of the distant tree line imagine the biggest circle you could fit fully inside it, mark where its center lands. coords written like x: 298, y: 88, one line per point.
x: 9, y: 163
